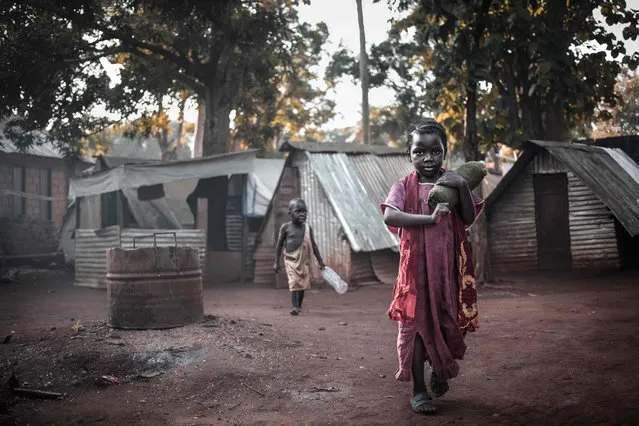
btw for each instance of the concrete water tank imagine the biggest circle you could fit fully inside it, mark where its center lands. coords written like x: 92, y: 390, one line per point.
x: 154, y: 287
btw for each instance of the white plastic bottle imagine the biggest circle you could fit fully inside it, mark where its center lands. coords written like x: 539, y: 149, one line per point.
x: 334, y: 280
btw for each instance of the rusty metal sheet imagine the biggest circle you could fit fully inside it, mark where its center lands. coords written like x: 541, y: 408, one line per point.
x: 378, y: 174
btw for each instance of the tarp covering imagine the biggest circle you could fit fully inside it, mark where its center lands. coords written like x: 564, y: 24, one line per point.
x: 261, y: 185
x: 154, y: 214
x: 136, y: 175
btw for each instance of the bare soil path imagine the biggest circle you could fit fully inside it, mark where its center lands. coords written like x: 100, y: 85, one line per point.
x: 549, y: 351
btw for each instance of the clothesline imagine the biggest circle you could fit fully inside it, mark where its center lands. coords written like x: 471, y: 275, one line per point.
x: 31, y: 196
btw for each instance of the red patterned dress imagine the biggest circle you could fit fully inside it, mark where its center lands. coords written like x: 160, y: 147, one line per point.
x: 434, y: 294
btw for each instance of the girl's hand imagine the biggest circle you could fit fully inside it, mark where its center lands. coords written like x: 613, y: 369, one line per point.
x: 440, y: 211
x: 451, y: 180
x: 277, y: 268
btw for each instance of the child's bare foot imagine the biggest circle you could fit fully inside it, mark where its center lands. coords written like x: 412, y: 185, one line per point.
x: 438, y: 386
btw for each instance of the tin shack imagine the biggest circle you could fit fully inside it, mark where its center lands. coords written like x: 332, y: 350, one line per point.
x: 343, y: 185
x: 562, y: 207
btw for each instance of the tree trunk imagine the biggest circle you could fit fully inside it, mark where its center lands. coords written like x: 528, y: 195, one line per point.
x: 216, y: 124
x: 199, y: 131
x: 221, y: 94
x: 471, y: 145
x: 555, y: 112
x: 179, y: 137
x: 363, y: 73
x: 556, y: 129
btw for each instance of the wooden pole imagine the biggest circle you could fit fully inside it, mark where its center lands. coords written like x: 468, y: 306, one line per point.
x: 243, y: 274
x: 119, y: 207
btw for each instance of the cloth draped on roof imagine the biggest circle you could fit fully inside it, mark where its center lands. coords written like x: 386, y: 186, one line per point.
x: 136, y: 175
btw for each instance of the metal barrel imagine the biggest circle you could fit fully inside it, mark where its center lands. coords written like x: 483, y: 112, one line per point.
x: 154, y: 287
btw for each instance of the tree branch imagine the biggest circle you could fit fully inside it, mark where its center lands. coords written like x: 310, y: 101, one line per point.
x: 102, y: 54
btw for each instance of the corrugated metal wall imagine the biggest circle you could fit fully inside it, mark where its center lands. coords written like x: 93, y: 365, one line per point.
x: 326, y: 226
x: 385, y: 265
x: 91, y: 246
x: 361, y: 219
x: 593, y: 240
x: 512, y: 233
x: 234, y: 223
x: 249, y: 267
x: 90, y: 255
x: 362, y: 269
x: 264, y: 257
x: 395, y: 167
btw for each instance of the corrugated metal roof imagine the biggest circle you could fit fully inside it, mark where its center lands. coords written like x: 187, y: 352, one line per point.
x: 360, y: 217
x: 356, y: 185
x: 610, y: 173
x: 378, y: 174
x: 42, y: 149
x: 347, y: 148
x: 628, y: 144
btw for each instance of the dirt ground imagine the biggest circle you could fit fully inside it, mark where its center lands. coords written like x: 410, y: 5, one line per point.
x: 549, y: 351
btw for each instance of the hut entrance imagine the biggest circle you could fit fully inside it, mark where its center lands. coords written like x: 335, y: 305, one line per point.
x: 628, y: 247
x: 553, y: 230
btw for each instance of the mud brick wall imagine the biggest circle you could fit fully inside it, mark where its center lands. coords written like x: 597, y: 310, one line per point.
x: 33, y: 232
x: 23, y: 235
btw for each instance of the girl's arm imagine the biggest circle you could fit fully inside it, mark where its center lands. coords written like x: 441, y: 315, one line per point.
x: 399, y: 219
x: 316, y: 250
x: 466, y: 206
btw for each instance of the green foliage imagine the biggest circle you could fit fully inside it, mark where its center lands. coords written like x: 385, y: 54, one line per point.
x: 531, y: 63
x: 219, y: 50
x: 623, y: 118
x: 281, y: 100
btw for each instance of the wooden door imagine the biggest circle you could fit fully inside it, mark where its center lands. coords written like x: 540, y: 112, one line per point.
x: 553, y: 229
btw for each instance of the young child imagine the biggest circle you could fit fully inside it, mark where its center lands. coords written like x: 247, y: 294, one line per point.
x: 298, y: 238
x: 434, y: 298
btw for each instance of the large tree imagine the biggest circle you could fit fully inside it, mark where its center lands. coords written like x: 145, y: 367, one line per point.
x: 284, y: 101
x: 51, y: 48
x: 524, y: 68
